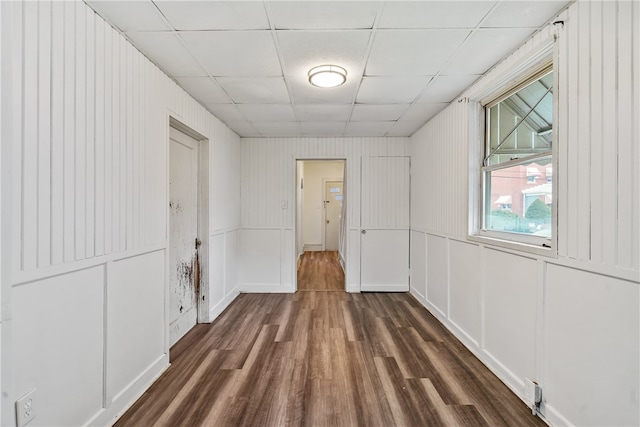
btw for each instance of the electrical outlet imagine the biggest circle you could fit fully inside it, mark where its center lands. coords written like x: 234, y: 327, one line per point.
x: 25, y: 409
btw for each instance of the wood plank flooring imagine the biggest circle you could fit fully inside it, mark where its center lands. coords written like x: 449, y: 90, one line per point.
x: 326, y: 359
x: 320, y: 271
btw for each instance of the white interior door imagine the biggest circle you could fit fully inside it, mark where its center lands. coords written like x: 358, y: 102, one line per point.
x: 333, y: 199
x: 183, y: 220
x: 384, y: 238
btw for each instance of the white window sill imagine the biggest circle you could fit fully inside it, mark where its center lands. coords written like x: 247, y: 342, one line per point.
x: 530, y: 248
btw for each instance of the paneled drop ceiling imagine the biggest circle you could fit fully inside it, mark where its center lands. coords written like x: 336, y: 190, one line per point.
x: 247, y: 61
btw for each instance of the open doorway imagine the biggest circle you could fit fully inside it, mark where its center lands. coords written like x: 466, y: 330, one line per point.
x: 320, y: 224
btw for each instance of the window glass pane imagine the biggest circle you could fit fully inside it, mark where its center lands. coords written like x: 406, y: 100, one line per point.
x: 519, y: 198
x: 521, y: 124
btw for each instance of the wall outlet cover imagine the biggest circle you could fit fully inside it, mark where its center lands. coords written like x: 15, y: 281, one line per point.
x: 25, y: 408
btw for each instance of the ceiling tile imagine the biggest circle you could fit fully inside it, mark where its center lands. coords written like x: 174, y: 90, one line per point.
x: 267, y: 112
x: 423, y: 112
x: 277, y: 128
x: 302, y: 92
x: 523, y: 14
x: 215, y: 15
x: 371, y: 113
x: 375, y: 128
x: 244, y: 129
x: 485, y: 48
x: 434, y: 14
x: 412, y: 52
x: 323, y: 14
x: 328, y: 113
x: 303, y: 50
x: 203, y: 89
x: 167, y: 52
x: 234, y: 53
x: 390, y: 90
x: 130, y: 15
x: 225, y: 112
x: 322, y: 128
x: 405, y: 128
x: 445, y: 88
x: 255, y: 90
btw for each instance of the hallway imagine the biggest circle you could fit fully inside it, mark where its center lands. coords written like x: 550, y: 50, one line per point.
x: 320, y: 271
x: 327, y: 358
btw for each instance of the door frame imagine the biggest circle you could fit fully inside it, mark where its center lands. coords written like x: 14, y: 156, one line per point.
x: 294, y: 262
x: 324, y: 210
x: 202, y: 299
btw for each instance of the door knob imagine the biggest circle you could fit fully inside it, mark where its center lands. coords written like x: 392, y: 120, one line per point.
x: 364, y: 231
x: 327, y: 221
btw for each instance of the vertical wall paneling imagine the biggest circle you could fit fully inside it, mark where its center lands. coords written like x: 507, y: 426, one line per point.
x: 268, y: 178
x: 30, y: 137
x: 610, y: 134
x: 99, y: 207
x: 635, y: 229
x: 525, y: 314
x: 89, y: 114
x: 583, y: 158
x: 57, y: 132
x: 68, y: 163
x: 81, y: 131
x: 88, y: 154
x: 627, y: 186
x: 44, y: 135
x: 596, y: 148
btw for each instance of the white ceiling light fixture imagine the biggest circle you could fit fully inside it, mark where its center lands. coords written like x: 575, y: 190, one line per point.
x: 327, y: 76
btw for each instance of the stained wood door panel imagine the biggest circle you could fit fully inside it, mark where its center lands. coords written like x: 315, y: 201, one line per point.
x: 326, y: 358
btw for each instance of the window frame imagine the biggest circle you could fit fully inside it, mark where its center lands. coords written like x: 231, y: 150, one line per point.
x: 532, y: 68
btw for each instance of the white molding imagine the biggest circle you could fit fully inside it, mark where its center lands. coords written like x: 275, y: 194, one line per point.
x: 385, y: 288
x: 217, y: 310
x: 260, y: 288
x: 25, y: 277
x: 127, y: 397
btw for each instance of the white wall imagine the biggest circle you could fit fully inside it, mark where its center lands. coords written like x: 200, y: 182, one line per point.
x: 268, y: 178
x: 313, y: 215
x: 571, y: 322
x: 85, y: 121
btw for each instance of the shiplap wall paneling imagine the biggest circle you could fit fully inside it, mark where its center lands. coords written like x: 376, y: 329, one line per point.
x: 57, y: 132
x: 442, y: 197
x: 521, y: 313
x: 16, y: 109
x: 88, y: 149
x: 385, y: 192
x: 598, y: 143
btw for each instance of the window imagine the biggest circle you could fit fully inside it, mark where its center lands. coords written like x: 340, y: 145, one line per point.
x: 518, y: 163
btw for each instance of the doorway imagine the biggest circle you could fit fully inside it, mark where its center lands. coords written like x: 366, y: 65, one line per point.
x: 186, y: 226
x: 320, y: 224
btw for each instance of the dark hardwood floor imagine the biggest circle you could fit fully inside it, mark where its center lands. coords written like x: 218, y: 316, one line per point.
x: 320, y: 271
x: 326, y: 359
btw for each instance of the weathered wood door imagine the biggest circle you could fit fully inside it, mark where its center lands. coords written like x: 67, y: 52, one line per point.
x: 183, y: 231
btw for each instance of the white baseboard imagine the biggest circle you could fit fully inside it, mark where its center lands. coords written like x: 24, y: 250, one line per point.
x: 219, y: 308
x: 271, y: 288
x: 124, y: 400
x: 385, y: 288
x: 311, y: 248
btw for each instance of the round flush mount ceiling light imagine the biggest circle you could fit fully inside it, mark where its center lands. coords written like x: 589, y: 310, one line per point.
x: 327, y: 76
